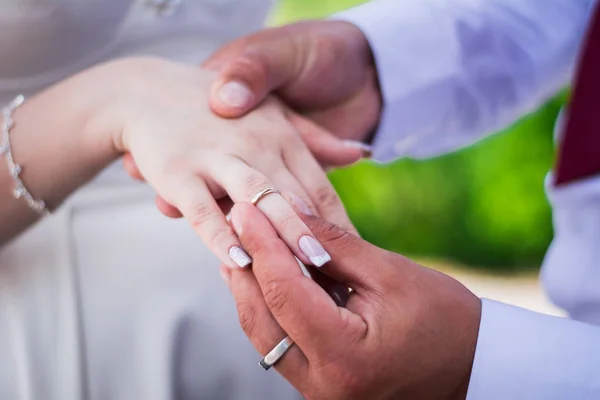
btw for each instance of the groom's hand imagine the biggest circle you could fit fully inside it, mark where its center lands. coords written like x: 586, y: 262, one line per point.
x: 323, y: 70
x: 406, y: 332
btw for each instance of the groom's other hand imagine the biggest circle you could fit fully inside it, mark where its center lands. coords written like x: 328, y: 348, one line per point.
x: 323, y: 70
x: 406, y: 332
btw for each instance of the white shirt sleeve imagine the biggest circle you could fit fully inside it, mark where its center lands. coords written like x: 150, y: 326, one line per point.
x: 452, y: 71
x: 571, y: 271
x: 525, y: 355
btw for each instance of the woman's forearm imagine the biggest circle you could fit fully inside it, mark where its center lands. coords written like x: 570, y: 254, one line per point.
x: 60, y: 141
x: 158, y: 111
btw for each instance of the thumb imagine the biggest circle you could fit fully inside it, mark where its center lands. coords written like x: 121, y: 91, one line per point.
x: 251, y: 69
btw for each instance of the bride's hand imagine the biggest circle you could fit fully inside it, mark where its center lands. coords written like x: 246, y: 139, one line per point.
x: 193, y: 158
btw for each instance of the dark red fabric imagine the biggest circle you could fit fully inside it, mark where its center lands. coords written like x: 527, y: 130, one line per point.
x: 579, y: 151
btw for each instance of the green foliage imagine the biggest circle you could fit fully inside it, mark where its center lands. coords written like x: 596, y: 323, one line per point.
x: 291, y: 10
x: 483, y: 206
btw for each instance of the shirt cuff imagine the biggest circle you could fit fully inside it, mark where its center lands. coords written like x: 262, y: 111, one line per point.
x: 452, y: 73
x: 407, y: 83
x: 525, y: 355
x: 570, y: 273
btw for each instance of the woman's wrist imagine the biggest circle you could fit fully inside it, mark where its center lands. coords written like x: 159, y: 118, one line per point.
x: 128, y: 95
x: 60, y: 137
x: 97, y: 93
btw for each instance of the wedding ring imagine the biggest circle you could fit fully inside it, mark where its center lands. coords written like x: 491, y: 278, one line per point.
x: 262, y: 194
x: 275, y: 355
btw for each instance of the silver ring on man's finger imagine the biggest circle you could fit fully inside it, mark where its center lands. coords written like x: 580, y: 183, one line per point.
x: 275, y: 355
x: 282, y: 347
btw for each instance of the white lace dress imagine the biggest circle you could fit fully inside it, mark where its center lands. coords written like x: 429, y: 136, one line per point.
x: 108, y: 299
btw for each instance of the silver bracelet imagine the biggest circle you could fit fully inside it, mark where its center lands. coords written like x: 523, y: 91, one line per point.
x: 20, y: 191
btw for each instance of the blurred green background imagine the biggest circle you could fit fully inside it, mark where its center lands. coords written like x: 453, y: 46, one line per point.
x: 482, y: 207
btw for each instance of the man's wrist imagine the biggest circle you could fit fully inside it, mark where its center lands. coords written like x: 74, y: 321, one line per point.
x: 360, y: 45
x: 470, y: 328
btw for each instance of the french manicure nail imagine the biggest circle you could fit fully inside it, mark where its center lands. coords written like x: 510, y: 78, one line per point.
x: 299, y: 204
x: 239, y: 256
x: 314, y: 251
x: 367, y: 151
x: 235, y: 94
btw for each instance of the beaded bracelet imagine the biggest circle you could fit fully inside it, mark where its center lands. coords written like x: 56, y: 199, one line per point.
x: 20, y: 191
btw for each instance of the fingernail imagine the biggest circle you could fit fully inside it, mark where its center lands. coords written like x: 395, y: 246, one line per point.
x: 300, y: 205
x: 367, y: 151
x: 314, y: 251
x: 235, y: 94
x: 239, y: 256
x: 226, y: 277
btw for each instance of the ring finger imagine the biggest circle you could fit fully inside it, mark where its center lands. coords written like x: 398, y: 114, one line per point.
x: 243, y: 182
x: 291, y: 189
x: 260, y: 326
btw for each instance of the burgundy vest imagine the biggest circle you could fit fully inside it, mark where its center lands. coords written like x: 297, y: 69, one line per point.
x: 579, y: 150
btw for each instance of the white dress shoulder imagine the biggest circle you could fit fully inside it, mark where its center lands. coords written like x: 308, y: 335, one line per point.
x: 108, y: 299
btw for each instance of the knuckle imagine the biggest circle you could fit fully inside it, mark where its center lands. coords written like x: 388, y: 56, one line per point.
x: 250, y: 66
x: 176, y: 165
x: 253, y: 183
x: 326, y: 197
x: 253, y: 141
x: 246, y: 148
x: 247, y: 317
x: 330, y: 51
x: 287, y: 222
x: 327, y: 47
x: 276, y: 296
x: 266, y: 252
x: 222, y: 236
x: 288, y: 131
x: 200, y: 213
x: 291, y: 140
x: 330, y: 233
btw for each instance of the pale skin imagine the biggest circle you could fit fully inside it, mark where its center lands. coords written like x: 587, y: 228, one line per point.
x: 157, y: 111
x: 324, y: 71
x: 407, y: 332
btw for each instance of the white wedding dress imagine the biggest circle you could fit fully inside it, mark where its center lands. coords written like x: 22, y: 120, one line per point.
x: 107, y: 298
